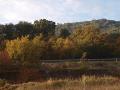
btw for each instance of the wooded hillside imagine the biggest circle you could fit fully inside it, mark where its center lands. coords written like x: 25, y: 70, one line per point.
x: 44, y: 40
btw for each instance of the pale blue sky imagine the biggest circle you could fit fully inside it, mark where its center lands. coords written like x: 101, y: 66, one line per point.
x: 60, y: 11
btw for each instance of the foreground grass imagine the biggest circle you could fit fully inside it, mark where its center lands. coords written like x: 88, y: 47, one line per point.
x: 83, y: 83
x: 105, y: 77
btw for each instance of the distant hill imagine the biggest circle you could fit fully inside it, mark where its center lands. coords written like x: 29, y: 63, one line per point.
x: 109, y: 26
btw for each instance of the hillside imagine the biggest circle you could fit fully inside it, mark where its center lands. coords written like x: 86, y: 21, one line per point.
x: 31, y: 42
x: 109, y: 26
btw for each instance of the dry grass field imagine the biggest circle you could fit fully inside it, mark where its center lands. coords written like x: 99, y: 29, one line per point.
x: 72, y: 76
x: 83, y: 83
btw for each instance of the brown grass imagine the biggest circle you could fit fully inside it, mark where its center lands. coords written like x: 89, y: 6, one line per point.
x: 83, y: 83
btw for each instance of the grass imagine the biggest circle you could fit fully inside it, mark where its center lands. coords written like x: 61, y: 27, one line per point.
x: 87, y: 64
x: 108, y: 68
x: 83, y: 83
x: 63, y: 74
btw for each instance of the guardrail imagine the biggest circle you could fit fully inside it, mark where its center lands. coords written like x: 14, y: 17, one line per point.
x: 67, y: 60
x: 14, y: 67
x: 78, y: 60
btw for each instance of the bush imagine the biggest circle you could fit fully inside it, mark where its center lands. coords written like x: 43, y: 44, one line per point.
x: 2, y: 82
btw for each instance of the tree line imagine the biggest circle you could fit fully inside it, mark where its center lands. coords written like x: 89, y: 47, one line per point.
x: 26, y: 42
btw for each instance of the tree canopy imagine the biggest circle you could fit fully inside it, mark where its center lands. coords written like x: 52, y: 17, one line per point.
x: 26, y: 42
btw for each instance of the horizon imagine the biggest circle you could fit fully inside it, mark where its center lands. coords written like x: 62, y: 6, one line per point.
x: 61, y: 23
x: 60, y: 11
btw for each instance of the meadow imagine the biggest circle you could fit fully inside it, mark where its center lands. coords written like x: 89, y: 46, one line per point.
x: 91, y: 75
x: 83, y: 83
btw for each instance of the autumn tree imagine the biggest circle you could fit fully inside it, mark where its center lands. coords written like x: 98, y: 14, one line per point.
x: 19, y: 49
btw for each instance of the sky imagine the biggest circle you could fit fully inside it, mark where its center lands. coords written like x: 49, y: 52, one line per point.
x: 60, y: 11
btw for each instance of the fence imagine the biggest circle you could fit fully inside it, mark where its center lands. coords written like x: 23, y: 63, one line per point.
x: 14, y: 67
x: 78, y: 60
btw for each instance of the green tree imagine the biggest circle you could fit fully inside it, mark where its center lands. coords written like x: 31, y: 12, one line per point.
x: 44, y: 27
x: 64, y: 33
x: 10, y: 31
x: 24, y: 28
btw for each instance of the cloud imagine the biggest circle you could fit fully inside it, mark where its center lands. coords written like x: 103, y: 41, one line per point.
x: 56, y: 10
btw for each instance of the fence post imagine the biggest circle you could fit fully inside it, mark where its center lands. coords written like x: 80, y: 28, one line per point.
x: 116, y: 59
